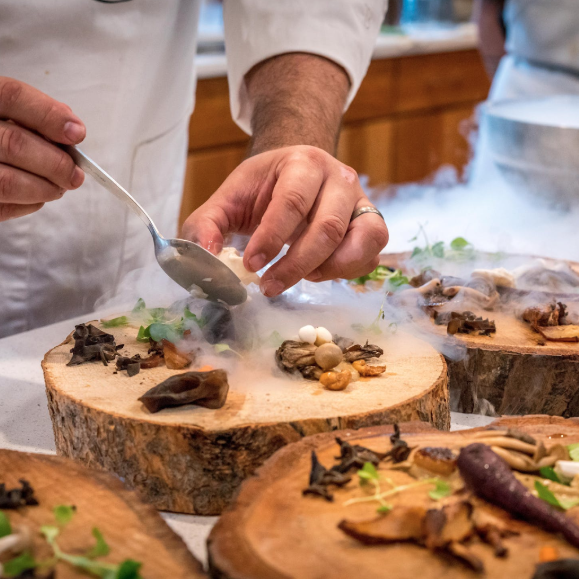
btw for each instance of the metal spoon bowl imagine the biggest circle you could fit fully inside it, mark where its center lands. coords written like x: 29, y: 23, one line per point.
x: 185, y: 262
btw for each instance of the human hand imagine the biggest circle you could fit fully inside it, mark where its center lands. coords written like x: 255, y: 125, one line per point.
x: 34, y: 170
x: 298, y: 195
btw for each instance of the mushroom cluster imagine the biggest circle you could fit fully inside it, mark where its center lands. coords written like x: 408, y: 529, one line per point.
x: 333, y: 360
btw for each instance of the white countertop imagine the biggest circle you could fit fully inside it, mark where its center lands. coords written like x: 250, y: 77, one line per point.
x: 25, y: 424
x: 414, y: 41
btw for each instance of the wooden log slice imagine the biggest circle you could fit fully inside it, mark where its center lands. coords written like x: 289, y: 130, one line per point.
x: 274, y: 532
x: 192, y: 459
x: 514, y: 370
x: 132, y: 529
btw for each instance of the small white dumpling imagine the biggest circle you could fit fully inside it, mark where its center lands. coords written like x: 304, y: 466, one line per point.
x: 231, y: 258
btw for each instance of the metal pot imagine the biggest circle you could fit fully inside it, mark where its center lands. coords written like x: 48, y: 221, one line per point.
x: 536, y: 151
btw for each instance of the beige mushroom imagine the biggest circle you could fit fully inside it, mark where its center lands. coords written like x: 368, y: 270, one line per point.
x: 328, y: 356
x: 516, y: 460
x: 335, y: 380
x: 510, y: 443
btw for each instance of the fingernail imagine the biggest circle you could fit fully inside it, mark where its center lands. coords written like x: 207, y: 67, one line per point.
x: 77, y: 177
x: 272, y: 288
x: 257, y: 262
x: 74, y: 131
x: 315, y: 275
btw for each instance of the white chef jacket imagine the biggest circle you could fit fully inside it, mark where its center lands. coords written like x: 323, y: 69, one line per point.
x: 127, y: 70
x: 542, y: 60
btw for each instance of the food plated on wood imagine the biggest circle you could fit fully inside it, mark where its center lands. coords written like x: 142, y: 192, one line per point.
x: 59, y: 520
x: 187, y: 401
x: 508, y: 324
x: 409, y: 502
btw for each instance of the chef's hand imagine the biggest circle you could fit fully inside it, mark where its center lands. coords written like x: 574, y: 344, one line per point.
x: 32, y: 169
x: 299, y: 195
x: 291, y: 189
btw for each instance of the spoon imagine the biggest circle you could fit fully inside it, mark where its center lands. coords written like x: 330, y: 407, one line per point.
x: 184, y: 262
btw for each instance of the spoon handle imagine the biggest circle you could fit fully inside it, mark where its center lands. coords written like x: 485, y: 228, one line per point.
x: 90, y: 167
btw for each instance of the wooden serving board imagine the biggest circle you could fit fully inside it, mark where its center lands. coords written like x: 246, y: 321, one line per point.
x: 273, y: 532
x: 132, y: 529
x: 514, y: 369
x: 192, y: 459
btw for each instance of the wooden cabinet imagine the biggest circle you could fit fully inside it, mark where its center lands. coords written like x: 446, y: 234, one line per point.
x: 406, y: 121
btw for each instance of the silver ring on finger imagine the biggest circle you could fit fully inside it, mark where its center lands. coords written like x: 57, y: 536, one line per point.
x: 366, y: 209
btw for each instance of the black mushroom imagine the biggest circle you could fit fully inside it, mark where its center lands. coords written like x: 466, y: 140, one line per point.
x: 355, y: 456
x: 218, y: 323
x: 17, y: 497
x: 491, y: 478
x: 90, y: 343
x: 132, y: 365
x: 464, y: 323
x: 560, y: 569
x: 321, y: 478
x: 207, y: 389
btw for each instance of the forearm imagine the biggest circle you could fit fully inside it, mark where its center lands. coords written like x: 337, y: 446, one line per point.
x: 297, y: 99
x: 488, y: 15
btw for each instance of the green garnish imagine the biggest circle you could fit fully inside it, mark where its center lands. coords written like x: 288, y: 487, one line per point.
x: 126, y: 570
x: 459, y: 248
x: 573, y: 451
x: 64, y: 513
x: 5, y: 526
x: 368, y: 472
x: 140, y: 306
x: 16, y: 566
x: 549, y: 497
x: 548, y: 472
x: 382, y: 273
x: 143, y: 335
x: 189, y: 315
x: 101, y: 548
x: 441, y: 489
x: 219, y: 348
x: 115, y: 322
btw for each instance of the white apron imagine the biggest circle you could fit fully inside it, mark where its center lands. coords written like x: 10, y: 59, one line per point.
x: 126, y: 69
x: 542, y: 60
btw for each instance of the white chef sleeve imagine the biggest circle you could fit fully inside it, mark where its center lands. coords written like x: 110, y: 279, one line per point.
x: 343, y: 31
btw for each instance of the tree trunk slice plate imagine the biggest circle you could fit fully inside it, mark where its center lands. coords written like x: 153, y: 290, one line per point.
x: 273, y: 532
x: 192, y: 459
x: 511, y: 370
x: 132, y: 529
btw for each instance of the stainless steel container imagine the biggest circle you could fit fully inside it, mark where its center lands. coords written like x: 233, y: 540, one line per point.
x: 535, y: 144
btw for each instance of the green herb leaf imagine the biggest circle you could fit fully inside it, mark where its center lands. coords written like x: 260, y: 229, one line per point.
x: 140, y: 306
x: 396, y: 279
x: 441, y: 489
x: 159, y: 331
x: 459, y: 243
x: 549, y: 497
x: 64, y: 513
x: 548, y: 472
x: 16, y: 566
x: 101, y: 548
x: 115, y: 322
x: 416, y: 252
x: 384, y: 509
x: 128, y: 569
x: 368, y: 472
x: 438, y: 249
x: 157, y: 314
x: 50, y: 533
x: 573, y: 451
x: 144, y: 334
x: 5, y: 526
x: 189, y: 315
x: 274, y: 340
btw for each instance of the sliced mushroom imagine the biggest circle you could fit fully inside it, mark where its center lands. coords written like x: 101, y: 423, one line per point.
x: 402, y: 523
x: 511, y: 444
x: 516, y: 460
x: 367, y: 371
